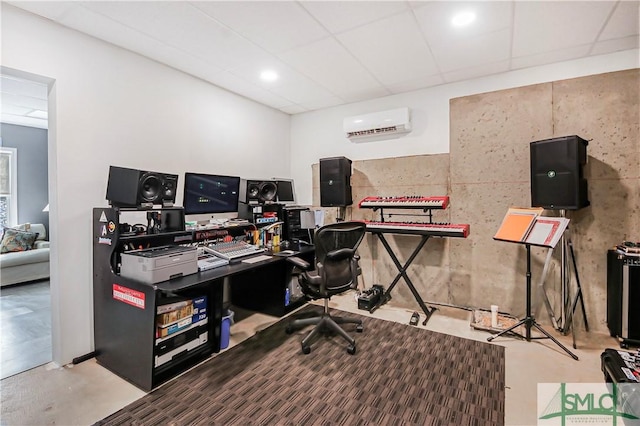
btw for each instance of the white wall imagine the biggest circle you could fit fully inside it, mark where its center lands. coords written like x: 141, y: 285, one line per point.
x: 319, y: 134
x: 112, y: 107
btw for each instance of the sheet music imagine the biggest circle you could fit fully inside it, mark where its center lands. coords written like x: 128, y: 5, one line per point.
x: 547, y: 231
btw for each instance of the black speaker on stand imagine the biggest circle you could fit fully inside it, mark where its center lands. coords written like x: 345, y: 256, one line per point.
x: 255, y: 191
x: 139, y: 188
x: 558, y: 183
x: 557, y: 179
x: 335, y: 182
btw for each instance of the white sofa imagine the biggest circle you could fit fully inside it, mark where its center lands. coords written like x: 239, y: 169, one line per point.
x: 29, y: 265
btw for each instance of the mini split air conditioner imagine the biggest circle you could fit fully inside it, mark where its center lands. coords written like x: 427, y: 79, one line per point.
x: 377, y: 125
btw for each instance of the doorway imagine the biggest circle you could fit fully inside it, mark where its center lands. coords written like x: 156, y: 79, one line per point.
x: 25, y: 306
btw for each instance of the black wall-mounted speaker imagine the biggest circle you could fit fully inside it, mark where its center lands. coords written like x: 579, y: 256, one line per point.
x: 335, y: 182
x: 254, y: 191
x: 557, y: 179
x: 139, y: 188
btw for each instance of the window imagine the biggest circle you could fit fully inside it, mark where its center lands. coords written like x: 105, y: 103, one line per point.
x: 8, y: 187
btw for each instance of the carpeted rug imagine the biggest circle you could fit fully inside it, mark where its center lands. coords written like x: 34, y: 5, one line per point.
x: 399, y: 375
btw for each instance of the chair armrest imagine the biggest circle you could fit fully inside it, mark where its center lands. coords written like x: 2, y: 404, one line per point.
x: 40, y: 244
x: 300, y: 263
x: 343, y: 253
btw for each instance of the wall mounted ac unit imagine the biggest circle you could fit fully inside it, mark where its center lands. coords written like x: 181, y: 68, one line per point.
x: 377, y: 125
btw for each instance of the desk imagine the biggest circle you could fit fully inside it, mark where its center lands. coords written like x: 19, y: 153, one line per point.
x: 124, y: 327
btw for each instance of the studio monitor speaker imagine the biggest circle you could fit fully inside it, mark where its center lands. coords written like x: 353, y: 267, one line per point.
x: 254, y: 191
x: 139, y: 188
x: 557, y: 180
x: 335, y: 182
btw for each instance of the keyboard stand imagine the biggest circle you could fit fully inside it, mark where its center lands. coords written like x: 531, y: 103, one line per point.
x: 402, y: 273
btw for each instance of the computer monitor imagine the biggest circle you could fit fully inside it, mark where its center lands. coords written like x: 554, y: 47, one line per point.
x: 286, y: 191
x: 204, y: 193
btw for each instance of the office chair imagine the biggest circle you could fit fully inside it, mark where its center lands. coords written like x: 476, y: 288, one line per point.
x: 336, y: 271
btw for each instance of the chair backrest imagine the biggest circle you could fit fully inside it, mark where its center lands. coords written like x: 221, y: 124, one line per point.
x: 339, y: 274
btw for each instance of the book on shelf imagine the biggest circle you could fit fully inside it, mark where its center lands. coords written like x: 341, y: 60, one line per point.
x: 527, y: 226
x: 172, y: 317
x: 181, y: 317
x: 174, y: 330
x: 172, y: 306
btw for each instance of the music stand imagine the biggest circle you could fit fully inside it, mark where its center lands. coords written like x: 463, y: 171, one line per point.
x: 525, y: 226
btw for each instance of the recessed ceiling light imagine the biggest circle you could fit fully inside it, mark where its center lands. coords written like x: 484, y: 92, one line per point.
x: 463, y: 18
x: 268, y: 76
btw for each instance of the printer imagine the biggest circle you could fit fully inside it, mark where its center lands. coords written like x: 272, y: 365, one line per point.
x: 157, y: 264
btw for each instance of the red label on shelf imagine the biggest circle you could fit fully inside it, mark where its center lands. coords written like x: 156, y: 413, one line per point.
x: 127, y: 295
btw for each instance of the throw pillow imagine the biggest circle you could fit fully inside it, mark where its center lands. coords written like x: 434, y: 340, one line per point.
x: 17, y: 240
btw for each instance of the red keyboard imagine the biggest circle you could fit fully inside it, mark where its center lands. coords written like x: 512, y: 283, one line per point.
x: 409, y: 202
x: 432, y: 229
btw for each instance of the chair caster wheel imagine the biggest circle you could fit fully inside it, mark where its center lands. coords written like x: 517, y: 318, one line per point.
x: 351, y: 350
x: 288, y: 330
x: 359, y: 328
x: 306, y: 349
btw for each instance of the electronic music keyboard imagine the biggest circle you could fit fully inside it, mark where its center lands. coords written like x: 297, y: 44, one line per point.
x: 408, y: 202
x: 431, y: 229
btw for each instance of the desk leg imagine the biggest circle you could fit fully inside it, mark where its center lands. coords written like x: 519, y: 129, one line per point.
x: 403, y: 274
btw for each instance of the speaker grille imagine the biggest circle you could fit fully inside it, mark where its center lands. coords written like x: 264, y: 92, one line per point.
x: 257, y: 191
x: 335, y: 182
x: 557, y: 180
x: 136, y: 188
x: 150, y: 188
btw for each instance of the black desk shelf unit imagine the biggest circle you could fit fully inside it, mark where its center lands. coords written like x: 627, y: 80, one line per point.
x: 125, y: 309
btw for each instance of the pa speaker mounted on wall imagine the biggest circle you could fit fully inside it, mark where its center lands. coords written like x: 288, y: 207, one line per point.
x: 557, y: 179
x: 255, y: 191
x: 335, y: 182
x: 139, y: 188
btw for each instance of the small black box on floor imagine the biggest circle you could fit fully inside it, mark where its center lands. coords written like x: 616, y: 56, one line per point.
x: 623, y: 369
x: 370, y: 297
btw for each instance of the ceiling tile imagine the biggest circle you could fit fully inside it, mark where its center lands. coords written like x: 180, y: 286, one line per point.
x: 275, y: 26
x: 339, y: 16
x: 27, y: 88
x: 184, y: 27
x: 550, y: 57
x: 22, y: 101
x: 322, y: 103
x: 420, y: 83
x: 247, y: 89
x: 366, y: 94
x: 328, y: 63
x: 477, y: 71
x: 293, y: 109
x: 49, y: 9
x: 434, y: 19
x: 616, y: 45
x: 392, y: 49
x: 302, y: 90
x: 624, y: 22
x: 548, y: 26
x: 479, y: 50
x: 251, y: 72
x: 104, y: 28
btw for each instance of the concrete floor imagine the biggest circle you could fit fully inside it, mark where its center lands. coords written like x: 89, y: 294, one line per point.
x: 25, y: 327
x: 85, y: 393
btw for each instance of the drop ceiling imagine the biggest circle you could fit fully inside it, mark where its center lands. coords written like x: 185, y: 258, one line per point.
x: 328, y: 53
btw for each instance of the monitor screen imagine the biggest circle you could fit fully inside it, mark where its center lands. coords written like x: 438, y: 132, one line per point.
x: 210, y: 193
x: 286, y: 191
